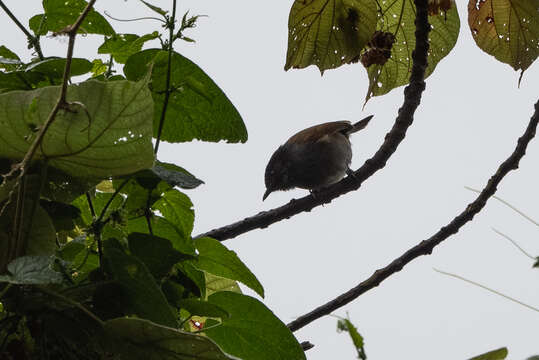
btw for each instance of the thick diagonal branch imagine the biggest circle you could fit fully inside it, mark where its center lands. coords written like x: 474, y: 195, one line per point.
x: 405, y: 117
x: 425, y: 247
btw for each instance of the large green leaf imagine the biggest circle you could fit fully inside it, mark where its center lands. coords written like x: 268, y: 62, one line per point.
x: 499, y: 354
x: 122, y: 46
x: 143, y: 296
x: 20, y: 80
x: 398, y: 18
x: 139, y: 339
x: 31, y: 270
x: 216, y: 283
x: 197, y: 108
x: 328, y: 33
x: 252, y: 331
x: 105, y: 132
x: 61, y: 13
x: 506, y: 29
x: 216, y: 259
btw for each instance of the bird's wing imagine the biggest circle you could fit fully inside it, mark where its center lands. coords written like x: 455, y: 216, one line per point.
x: 317, y: 132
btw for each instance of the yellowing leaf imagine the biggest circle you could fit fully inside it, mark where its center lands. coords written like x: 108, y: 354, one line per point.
x: 328, y: 33
x: 398, y: 18
x: 506, y: 29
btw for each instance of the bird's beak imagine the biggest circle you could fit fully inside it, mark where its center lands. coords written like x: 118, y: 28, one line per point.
x: 268, y: 191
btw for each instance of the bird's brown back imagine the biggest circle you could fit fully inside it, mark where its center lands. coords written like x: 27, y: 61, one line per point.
x: 315, y: 133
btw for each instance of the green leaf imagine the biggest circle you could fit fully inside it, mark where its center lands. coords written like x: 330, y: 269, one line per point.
x: 155, y: 8
x: 252, y: 331
x: 31, y: 270
x: 62, y: 215
x: 197, y: 108
x: 175, y: 175
x: 105, y: 132
x: 216, y: 259
x: 398, y: 18
x: 8, y: 59
x: 506, y: 29
x: 62, y: 13
x: 72, y: 248
x: 177, y: 208
x: 98, y: 67
x: 197, y: 278
x: 20, y: 80
x: 122, y: 46
x: 165, y: 229
x: 498, y: 354
x: 344, y: 324
x: 38, y: 230
x: 140, y: 339
x: 54, y: 67
x: 328, y: 33
x: 155, y: 252
x: 216, y: 283
x: 202, y: 308
x: 144, y: 298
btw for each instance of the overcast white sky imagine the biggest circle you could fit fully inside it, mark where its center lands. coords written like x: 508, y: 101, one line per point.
x: 468, y: 122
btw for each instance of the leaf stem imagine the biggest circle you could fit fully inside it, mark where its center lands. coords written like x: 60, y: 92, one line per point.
x: 32, y: 40
x: 170, y: 25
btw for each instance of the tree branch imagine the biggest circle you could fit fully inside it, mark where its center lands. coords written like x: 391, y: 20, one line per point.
x: 425, y: 247
x: 32, y: 40
x: 405, y: 117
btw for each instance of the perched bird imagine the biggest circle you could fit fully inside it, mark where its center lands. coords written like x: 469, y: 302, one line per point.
x: 313, y: 158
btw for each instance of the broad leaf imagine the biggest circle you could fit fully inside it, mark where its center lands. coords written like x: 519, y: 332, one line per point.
x: 140, y: 339
x: 506, y: 29
x: 21, y: 80
x: 216, y: 259
x: 202, y: 308
x: 144, y: 298
x: 61, y: 13
x: 122, y: 46
x: 163, y: 228
x: 105, y: 132
x: 328, y: 33
x: 398, y: 19
x: 499, y: 354
x: 155, y: 252
x: 175, y: 175
x: 197, y: 108
x: 252, y: 331
x: 54, y: 67
x: 177, y: 208
x: 216, y: 284
x: 31, y: 270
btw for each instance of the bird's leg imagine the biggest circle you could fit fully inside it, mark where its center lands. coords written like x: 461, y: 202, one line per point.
x: 351, y: 173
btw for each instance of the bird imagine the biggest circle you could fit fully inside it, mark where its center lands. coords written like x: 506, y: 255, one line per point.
x: 314, y: 158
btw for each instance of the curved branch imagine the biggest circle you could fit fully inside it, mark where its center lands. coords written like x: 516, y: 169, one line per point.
x: 425, y: 247
x: 405, y: 117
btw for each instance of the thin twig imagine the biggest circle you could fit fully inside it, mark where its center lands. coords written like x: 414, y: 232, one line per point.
x: 32, y: 40
x: 425, y: 247
x: 488, y: 289
x: 170, y: 24
x: 135, y: 19
x: 521, y: 213
x: 514, y: 243
x: 405, y: 117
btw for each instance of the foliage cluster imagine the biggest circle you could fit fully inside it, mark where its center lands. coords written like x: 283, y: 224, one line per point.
x: 97, y: 256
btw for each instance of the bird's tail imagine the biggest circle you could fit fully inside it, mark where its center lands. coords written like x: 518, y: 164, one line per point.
x: 360, y: 125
